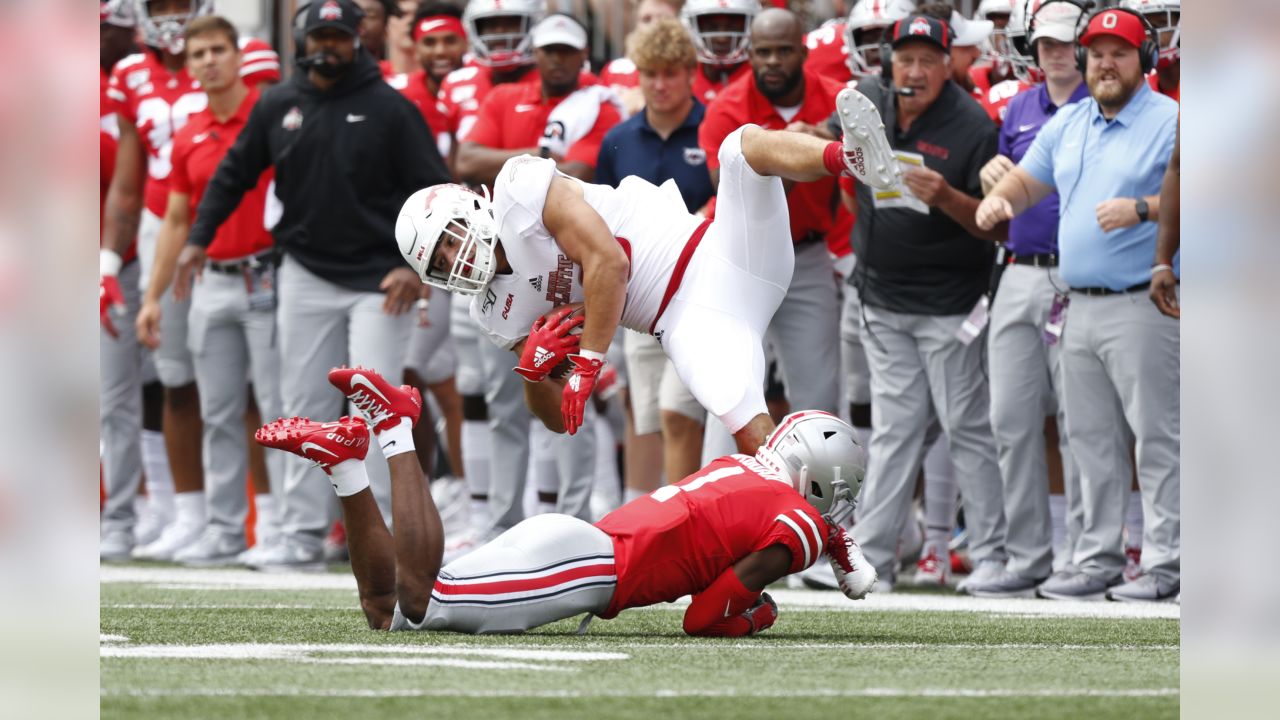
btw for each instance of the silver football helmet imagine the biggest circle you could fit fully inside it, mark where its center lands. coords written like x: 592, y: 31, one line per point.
x: 450, y: 213
x: 821, y: 456
x: 717, y: 45
x: 1166, y: 16
x: 167, y: 31
x: 120, y: 13
x: 503, y: 49
x: 860, y: 36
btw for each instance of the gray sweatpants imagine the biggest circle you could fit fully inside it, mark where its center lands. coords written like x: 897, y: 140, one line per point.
x: 1026, y: 385
x: 1121, y: 368
x: 120, y: 407
x: 918, y: 366
x: 321, y: 326
x: 231, y: 345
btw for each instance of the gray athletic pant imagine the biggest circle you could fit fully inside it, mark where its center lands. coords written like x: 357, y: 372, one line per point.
x: 805, y: 337
x: 120, y: 407
x: 1026, y: 385
x: 509, y: 419
x: 918, y: 366
x: 1121, y: 369
x: 231, y: 345
x: 321, y: 326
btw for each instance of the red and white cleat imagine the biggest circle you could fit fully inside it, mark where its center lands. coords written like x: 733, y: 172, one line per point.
x: 325, y: 444
x: 381, y: 403
x: 932, y: 570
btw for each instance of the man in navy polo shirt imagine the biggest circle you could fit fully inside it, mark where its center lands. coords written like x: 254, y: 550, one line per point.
x: 1107, y: 157
x: 1026, y: 372
x: 660, y: 144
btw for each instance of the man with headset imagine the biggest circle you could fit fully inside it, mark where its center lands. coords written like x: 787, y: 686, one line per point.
x: 1119, y: 353
x: 347, y: 150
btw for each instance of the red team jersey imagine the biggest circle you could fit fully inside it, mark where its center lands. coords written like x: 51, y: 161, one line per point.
x: 197, y: 149
x: 706, y: 89
x: 514, y: 116
x: 994, y: 98
x: 462, y: 91
x: 159, y: 103
x: 413, y: 86
x: 828, y: 56
x: 620, y: 73
x: 677, y: 540
x: 1154, y: 81
x: 810, y: 203
x: 108, y: 138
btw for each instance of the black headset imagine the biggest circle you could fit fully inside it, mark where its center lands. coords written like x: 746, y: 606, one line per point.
x: 300, y: 28
x: 1085, y: 7
x: 886, y: 46
x: 1148, y: 52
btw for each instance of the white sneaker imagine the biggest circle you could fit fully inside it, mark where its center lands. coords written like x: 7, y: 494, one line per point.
x: 1147, y: 588
x: 820, y: 575
x: 290, y: 555
x: 175, y: 537
x: 933, y: 570
x: 115, y: 545
x: 258, y: 551
x: 867, y: 154
x: 151, y: 523
x: 986, y: 571
x: 214, y: 548
x: 453, y: 501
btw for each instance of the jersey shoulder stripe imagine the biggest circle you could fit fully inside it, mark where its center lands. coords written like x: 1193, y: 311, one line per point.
x: 801, y: 535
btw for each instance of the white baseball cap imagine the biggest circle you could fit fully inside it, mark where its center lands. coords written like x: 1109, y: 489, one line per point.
x: 970, y: 32
x: 1055, y: 20
x: 560, y: 29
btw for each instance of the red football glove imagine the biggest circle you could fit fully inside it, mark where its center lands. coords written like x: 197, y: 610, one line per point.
x: 110, y: 299
x: 573, y: 402
x: 854, y: 574
x: 549, y: 343
x: 762, y: 615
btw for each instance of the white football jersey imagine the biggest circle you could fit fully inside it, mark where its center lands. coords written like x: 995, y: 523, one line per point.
x: 650, y: 223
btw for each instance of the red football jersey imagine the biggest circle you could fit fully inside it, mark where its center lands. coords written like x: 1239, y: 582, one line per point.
x: 620, y: 73
x: 678, y: 539
x: 414, y: 88
x: 1154, y: 81
x: 464, y: 89
x: 994, y: 98
x: 514, y: 116
x: 108, y: 137
x: 706, y: 89
x: 810, y: 203
x: 198, y: 148
x: 828, y: 56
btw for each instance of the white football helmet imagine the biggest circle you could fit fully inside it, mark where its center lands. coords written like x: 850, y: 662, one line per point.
x: 999, y: 41
x: 167, y: 31
x: 1017, y: 48
x: 502, y: 49
x: 821, y: 456
x: 694, y: 15
x: 120, y: 13
x: 1166, y: 15
x: 866, y: 16
x: 460, y: 214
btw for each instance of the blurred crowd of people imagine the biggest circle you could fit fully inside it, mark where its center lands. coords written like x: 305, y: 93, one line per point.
x: 1001, y: 332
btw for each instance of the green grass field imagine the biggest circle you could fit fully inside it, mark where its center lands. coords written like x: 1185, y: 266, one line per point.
x: 235, y: 644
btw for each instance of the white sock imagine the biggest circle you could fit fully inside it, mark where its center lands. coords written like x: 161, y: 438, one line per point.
x: 264, y: 523
x: 191, y: 509
x: 629, y: 494
x: 155, y: 465
x: 349, y: 477
x: 1058, y: 516
x: 940, y: 494
x: 476, y: 441
x: 542, y: 461
x: 479, y: 514
x: 1133, y: 520
x: 396, y: 439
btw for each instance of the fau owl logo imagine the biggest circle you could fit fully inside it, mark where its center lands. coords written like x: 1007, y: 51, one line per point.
x: 331, y: 10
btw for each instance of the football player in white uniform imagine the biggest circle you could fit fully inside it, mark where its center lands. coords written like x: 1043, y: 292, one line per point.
x: 636, y: 257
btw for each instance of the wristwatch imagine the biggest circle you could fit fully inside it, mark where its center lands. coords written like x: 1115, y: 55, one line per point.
x: 1144, y: 211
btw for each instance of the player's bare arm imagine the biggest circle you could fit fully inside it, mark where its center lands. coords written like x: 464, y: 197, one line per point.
x: 543, y: 398
x: 1164, y: 285
x: 479, y: 164
x: 1015, y: 192
x: 585, y: 238
x: 124, y: 197
x: 169, y: 242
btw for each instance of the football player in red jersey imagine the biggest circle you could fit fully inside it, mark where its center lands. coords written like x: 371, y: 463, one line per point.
x: 721, y: 535
x: 1166, y: 17
x: 719, y: 29
x: 439, y: 44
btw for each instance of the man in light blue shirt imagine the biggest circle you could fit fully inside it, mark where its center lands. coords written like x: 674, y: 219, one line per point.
x: 1106, y: 157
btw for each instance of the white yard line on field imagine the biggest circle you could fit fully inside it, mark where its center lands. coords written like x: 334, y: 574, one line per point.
x: 792, y: 600
x: 716, y: 693
x: 307, y: 651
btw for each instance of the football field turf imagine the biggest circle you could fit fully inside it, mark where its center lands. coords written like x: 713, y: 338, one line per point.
x: 236, y: 644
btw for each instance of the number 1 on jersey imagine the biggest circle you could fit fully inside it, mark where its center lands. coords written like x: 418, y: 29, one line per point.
x: 664, y: 494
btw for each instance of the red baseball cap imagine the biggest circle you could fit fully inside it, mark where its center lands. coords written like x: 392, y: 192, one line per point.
x: 1124, y: 25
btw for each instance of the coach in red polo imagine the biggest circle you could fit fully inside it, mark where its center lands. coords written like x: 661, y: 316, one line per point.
x: 780, y: 93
